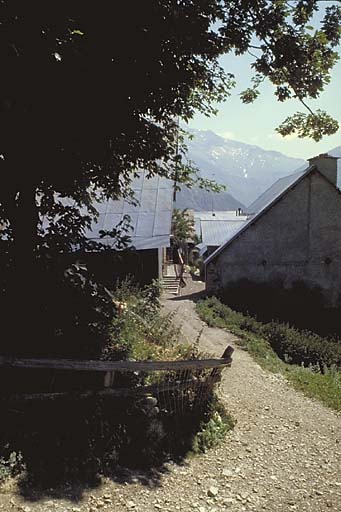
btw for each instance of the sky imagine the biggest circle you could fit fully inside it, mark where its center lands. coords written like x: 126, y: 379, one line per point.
x: 255, y: 123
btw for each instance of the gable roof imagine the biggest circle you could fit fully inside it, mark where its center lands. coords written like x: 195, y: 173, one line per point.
x: 214, y: 233
x: 275, y: 191
x: 213, y: 227
x: 271, y: 196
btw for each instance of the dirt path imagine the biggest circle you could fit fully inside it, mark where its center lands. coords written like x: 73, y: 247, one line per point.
x: 284, y: 453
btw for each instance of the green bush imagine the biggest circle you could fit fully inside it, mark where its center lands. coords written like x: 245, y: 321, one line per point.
x: 214, y: 313
x: 290, y: 344
x: 301, y: 306
x: 302, y: 347
x: 326, y: 386
x: 140, y: 331
x: 213, y: 431
x: 314, y: 361
x: 11, y: 465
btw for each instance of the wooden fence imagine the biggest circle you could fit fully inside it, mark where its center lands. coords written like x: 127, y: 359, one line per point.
x: 164, y: 377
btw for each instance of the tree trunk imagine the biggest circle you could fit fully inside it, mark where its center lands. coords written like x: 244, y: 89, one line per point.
x: 24, y: 286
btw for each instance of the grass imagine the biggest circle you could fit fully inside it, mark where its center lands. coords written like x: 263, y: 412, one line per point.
x: 313, y: 376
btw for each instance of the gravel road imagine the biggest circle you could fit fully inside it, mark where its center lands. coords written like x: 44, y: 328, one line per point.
x: 283, y: 454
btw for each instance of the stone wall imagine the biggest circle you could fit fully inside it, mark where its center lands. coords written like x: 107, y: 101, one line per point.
x: 298, y: 239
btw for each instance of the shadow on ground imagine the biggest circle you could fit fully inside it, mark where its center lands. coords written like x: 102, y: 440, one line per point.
x: 68, y: 447
x: 194, y: 290
x: 73, y: 489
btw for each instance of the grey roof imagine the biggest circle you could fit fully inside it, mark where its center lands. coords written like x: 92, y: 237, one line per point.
x: 275, y: 191
x: 202, y: 248
x: 262, y: 204
x: 214, y: 233
x: 150, y: 218
x: 197, y: 226
x: 217, y: 215
x: 213, y: 227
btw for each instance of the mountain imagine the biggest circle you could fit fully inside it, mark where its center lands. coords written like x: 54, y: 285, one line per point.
x: 246, y: 170
x: 201, y: 200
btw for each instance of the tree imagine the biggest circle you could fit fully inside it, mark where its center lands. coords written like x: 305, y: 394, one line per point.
x: 182, y: 227
x: 89, y: 95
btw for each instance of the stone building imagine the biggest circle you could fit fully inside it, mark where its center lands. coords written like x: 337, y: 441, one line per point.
x: 293, y: 234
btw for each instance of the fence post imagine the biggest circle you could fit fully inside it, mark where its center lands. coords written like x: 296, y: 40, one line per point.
x: 216, y: 373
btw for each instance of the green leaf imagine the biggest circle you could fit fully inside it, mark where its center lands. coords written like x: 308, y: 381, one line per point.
x: 77, y: 32
x: 249, y: 95
x: 314, y: 125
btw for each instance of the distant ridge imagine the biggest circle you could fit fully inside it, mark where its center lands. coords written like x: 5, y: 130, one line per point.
x: 246, y: 170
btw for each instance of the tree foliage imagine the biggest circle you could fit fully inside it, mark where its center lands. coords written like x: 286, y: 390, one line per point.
x: 90, y: 94
x: 182, y: 226
x: 293, y: 55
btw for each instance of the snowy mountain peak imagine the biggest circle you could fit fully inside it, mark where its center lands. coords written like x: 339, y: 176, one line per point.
x: 245, y: 169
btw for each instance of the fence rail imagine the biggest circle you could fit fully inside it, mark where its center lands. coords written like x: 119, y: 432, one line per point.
x: 183, y: 375
x: 121, y: 366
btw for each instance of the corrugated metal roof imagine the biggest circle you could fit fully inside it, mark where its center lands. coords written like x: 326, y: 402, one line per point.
x: 262, y: 204
x: 213, y: 227
x: 150, y: 218
x: 214, y: 233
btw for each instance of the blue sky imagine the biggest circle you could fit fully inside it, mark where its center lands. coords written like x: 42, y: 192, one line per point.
x: 256, y: 123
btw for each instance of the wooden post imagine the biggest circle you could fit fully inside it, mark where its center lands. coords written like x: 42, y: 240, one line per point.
x: 109, y: 379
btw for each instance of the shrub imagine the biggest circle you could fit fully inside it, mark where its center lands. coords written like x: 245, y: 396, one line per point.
x: 290, y: 344
x: 213, y: 431
x: 213, y: 312
x: 302, y: 347
x: 140, y: 331
x: 321, y: 376
x: 11, y: 465
x: 301, y: 305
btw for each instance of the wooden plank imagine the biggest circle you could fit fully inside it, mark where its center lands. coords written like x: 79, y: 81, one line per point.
x: 109, y: 366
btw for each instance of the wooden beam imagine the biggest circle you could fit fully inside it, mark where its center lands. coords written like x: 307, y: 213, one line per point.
x: 109, y: 366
